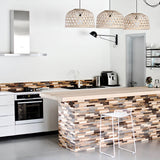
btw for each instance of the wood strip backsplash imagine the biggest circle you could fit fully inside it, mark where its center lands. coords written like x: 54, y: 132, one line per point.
x: 49, y: 84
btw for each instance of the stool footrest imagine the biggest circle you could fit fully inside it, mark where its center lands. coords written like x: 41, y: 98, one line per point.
x: 127, y: 150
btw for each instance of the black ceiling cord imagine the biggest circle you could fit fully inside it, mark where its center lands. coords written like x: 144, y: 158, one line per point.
x: 152, y: 5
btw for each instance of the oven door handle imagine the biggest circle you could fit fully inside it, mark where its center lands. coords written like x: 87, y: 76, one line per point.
x: 29, y: 102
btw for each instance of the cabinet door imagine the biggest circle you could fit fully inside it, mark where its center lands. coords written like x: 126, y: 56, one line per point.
x: 7, y: 121
x: 29, y: 128
x: 6, y: 100
x: 7, y: 131
x: 7, y: 110
x: 51, y: 114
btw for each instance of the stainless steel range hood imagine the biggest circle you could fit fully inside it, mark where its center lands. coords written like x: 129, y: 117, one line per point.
x: 20, y: 32
x: 20, y: 35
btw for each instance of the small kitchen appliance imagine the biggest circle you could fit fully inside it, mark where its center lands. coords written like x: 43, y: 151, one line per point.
x: 97, y: 81
x: 109, y: 78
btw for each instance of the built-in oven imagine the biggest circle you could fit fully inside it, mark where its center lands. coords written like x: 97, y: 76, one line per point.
x: 28, y: 109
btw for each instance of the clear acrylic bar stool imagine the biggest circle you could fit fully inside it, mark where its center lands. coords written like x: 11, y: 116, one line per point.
x: 116, y: 114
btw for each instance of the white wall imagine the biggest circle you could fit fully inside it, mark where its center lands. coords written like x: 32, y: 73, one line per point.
x: 118, y: 55
x: 67, y: 49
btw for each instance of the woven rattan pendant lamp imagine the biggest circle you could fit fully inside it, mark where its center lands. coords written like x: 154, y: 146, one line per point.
x: 136, y: 21
x: 110, y: 19
x: 79, y: 18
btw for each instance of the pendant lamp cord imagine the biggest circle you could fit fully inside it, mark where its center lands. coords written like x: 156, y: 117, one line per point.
x: 110, y: 9
x: 153, y: 6
x: 136, y: 6
x: 109, y: 4
x: 136, y: 9
x: 80, y: 4
x: 80, y: 14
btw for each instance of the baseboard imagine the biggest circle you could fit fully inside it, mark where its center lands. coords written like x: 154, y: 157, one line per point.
x: 28, y: 135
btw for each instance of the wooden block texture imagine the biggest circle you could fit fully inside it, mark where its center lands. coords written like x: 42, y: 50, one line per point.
x: 79, y: 122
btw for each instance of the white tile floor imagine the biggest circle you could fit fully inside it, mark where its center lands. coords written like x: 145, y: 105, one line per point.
x: 46, y: 148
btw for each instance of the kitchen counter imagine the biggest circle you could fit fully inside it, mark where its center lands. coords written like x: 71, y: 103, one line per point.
x: 80, y: 110
x: 83, y: 94
x: 2, y: 93
x: 55, y: 90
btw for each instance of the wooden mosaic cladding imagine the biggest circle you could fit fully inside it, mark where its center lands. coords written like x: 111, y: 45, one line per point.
x: 79, y: 121
x: 48, y: 84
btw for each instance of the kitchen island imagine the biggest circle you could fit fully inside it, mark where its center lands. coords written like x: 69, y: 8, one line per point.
x: 80, y: 110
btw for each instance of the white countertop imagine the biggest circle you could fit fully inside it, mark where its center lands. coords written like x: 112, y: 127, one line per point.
x: 6, y: 93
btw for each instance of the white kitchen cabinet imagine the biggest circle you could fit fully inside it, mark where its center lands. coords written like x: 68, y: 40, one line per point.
x: 50, y: 108
x: 30, y: 128
x: 50, y: 114
x: 7, y: 131
x: 6, y: 100
x: 7, y: 117
x: 6, y: 110
x: 8, y: 126
x: 7, y: 121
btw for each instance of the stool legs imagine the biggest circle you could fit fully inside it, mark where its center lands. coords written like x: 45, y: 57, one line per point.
x: 118, y: 134
x: 100, y: 149
x: 134, y: 141
x: 114, y: 151
x: 133, y: 134
x: 113, y: 137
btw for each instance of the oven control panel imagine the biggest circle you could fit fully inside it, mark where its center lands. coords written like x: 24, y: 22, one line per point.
x: 28, y: 96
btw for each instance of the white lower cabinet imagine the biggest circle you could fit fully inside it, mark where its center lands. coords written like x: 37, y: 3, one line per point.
x: 6, y: 99
x: 8, y: 126
x: 7, y: 118
x: 29, y: 128
x: 7, y: 121
x: 50, y: 114
x: 50, y: 108
x: 7, y: 131
x: 7, y: 110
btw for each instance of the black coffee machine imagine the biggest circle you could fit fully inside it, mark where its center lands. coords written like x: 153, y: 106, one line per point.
x: 109, y: 78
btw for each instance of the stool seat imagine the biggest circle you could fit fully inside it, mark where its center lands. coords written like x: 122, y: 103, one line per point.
x: 116, y: 114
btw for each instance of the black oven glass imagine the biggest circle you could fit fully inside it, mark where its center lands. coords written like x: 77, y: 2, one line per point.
x: 28, y: 109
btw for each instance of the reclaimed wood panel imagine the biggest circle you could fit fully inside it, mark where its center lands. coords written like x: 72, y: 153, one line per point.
x: 79, y: 121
